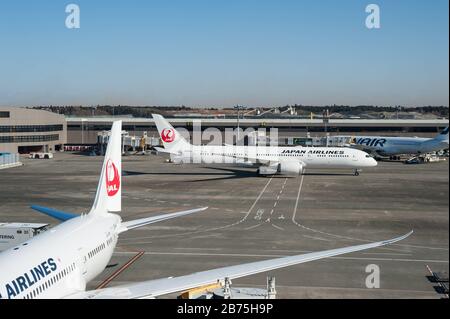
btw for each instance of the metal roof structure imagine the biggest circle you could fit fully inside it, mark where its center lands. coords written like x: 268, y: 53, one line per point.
x: 266, y: 122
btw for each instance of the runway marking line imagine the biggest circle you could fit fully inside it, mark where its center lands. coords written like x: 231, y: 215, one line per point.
x: 277, y: 227
x: 214, y: 228
x: 346, y: 237
x: 252, y: 227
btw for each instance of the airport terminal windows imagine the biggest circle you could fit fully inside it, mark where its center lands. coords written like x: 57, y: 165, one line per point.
x: 30, y: 128
x: 29, y: 138
x: 4, y: 114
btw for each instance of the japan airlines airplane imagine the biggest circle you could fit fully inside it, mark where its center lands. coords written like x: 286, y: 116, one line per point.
x: 269, y: 159
x: 389, y: 146
x: 61, y: 261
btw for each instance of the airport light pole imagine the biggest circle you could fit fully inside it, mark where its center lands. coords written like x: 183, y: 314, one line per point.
x: 325, y: 118
x: 238, y: 108
x: 82, y: 131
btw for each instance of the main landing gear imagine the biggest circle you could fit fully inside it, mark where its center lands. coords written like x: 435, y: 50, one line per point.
x: 356, y: 172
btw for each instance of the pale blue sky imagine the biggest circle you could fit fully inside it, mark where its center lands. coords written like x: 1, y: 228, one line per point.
x: 220, y: 53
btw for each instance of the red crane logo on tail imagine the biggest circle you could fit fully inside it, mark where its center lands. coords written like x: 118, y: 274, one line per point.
x: 112, y: 179
x: 168, y: 135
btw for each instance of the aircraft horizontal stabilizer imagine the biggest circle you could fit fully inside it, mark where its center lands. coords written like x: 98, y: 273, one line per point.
x: 163, y: 150
x: 155, y: 219
x: 57, y: 214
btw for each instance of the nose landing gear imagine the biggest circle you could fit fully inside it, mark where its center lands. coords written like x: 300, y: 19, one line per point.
x: 356, y: 172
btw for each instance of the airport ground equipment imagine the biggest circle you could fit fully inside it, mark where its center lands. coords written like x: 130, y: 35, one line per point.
x: 226, y: 291
x: 41, y: 155
x: 14, y: 234
x: 424, y: 159
x: 441, y: 279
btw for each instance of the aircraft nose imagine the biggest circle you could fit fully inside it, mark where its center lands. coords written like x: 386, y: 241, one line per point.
x: 373, y: 162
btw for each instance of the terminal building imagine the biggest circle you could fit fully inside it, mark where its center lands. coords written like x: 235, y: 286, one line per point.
x: 25, y: 130
x: 82, y: 131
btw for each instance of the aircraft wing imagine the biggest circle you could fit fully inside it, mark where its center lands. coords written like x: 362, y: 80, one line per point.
x: 158, y: 287
x: 155, y: 219
x: 262, y: 161
x: 255, y: 159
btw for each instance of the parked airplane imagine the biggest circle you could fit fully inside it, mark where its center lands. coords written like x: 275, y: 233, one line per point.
x: 392, y: 146
x: 269, y: 159
x: 61, y: 261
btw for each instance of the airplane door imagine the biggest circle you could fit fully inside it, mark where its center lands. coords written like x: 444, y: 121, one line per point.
x: 309, y: 157
x: 82, y: 261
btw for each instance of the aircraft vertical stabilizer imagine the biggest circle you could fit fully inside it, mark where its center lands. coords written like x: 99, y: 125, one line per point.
x: 443, y: 135
x: 171, y: 138
x: 109, y: 194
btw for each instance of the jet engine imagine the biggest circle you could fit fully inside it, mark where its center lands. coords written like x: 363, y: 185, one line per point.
x: 267, y: 170
x: 290, y: 168
x: 284, y: 168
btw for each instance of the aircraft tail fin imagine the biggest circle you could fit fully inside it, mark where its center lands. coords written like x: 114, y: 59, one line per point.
x: 109, y: 195
x: 172, y: 140
x: 443, y: 135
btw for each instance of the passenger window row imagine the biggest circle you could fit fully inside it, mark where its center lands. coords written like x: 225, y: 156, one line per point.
x: 95, y: 251
x: 50, y: 282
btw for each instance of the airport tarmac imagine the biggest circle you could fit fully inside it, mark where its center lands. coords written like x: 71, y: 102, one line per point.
x: 252, y: 218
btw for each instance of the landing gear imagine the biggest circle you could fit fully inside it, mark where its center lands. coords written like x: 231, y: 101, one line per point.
x: 356, y: 172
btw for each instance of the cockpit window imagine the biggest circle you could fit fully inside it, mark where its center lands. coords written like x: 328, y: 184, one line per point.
x: 367, y: 156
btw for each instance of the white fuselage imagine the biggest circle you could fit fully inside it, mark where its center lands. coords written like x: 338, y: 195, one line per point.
x: 387, y: 146
x: 309, y: 157
x: 60, y: 261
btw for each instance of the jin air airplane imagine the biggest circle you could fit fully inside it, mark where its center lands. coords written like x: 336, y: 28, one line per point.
x: 392, y: 146
x: 61, y: 261
x: 269, y: 160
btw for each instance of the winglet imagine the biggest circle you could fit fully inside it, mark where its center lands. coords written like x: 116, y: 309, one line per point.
x: 394, y: 240
x: 57, y: 214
